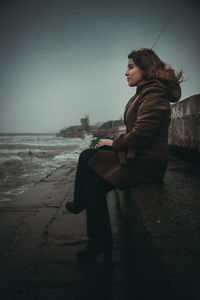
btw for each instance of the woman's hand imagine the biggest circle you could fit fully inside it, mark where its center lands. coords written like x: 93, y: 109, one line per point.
x: 105, y: 142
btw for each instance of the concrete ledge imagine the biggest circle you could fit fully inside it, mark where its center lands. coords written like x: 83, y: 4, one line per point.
x: 163, y: 226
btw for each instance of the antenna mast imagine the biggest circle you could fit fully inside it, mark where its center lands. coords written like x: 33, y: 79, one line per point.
x: 162, y: 30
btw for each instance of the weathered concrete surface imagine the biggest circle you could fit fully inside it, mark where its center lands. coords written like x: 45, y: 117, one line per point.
x: 38, y: 244
x: 184, y: 129
x: 164, y: 230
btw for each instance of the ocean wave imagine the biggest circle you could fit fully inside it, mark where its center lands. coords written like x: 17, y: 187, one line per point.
x: 11, y: 158
x: 8, y: 195
x: 23, y: 151
x: 42, y: 141
x: 22, y: 157
x: 65, y: 156
x: 25, y: 165
x: 73, y: 155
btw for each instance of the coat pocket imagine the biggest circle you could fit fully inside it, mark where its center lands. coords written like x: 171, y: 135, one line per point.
x: 122, y: 157
x: 130, y: 154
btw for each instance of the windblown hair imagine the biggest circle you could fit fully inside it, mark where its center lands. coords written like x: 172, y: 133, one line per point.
x: 153, y: 67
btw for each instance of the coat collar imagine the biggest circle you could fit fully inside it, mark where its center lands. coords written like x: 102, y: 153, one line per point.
x: 173, y: 90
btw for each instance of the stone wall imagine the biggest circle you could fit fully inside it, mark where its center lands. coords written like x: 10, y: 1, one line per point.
x: 184, y: 130
x: 163, y: 227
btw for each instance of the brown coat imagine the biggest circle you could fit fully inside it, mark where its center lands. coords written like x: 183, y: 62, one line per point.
x: 141, y: 154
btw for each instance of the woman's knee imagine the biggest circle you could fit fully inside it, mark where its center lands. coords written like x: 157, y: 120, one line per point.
x: 94, y: 184
x: 86, y: 154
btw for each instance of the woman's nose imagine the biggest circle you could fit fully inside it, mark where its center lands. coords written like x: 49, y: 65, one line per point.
x: 126, y: 74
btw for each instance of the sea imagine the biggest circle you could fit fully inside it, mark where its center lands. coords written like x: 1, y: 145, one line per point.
x: 27, y: 158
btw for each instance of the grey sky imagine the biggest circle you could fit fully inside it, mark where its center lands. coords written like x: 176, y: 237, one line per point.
x: 62, y: 60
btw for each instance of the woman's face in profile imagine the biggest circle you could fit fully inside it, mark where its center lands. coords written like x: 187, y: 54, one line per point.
x: 134, y: 73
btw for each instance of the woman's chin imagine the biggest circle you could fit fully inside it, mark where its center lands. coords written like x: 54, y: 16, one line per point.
x: 131, y: 84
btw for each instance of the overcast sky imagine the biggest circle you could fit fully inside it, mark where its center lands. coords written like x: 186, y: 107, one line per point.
x: 61, y: 60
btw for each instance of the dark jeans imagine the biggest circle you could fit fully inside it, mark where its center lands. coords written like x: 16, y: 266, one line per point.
x: 90, y: 192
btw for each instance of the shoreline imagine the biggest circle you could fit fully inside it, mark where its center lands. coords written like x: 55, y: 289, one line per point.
x: 26, y: 160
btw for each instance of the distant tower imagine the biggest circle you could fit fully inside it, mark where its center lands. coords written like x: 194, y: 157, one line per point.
x: 85, y: 123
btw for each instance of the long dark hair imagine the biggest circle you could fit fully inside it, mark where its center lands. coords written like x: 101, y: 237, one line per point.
x: 153, y: 67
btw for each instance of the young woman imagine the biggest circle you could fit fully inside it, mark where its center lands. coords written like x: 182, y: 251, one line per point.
x: 138, y: 156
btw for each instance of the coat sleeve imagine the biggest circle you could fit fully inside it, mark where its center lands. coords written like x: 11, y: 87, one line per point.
x: 151, y: 110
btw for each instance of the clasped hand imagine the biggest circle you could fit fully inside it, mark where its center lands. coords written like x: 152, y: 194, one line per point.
x: 104, y: 142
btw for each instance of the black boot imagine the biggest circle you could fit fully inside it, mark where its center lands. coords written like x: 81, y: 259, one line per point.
x: 92, y: 250
x: 73, y: 208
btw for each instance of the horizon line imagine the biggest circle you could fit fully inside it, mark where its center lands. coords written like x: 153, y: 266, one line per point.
x: 4, y: 133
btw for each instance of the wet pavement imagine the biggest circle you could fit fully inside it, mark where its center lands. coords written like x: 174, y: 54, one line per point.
x: 39, y: 240
x: 38, y: 244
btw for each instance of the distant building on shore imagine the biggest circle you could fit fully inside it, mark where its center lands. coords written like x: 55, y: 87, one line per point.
x: 76, y: 130
x: 80, y: 130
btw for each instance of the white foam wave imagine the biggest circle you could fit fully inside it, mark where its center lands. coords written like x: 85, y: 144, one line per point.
x: 73, y: 155
x: 39, y: 141
x: 7, y: 196
x: 13, y: 158
x: 26, y: 151
x: 64, y: 157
